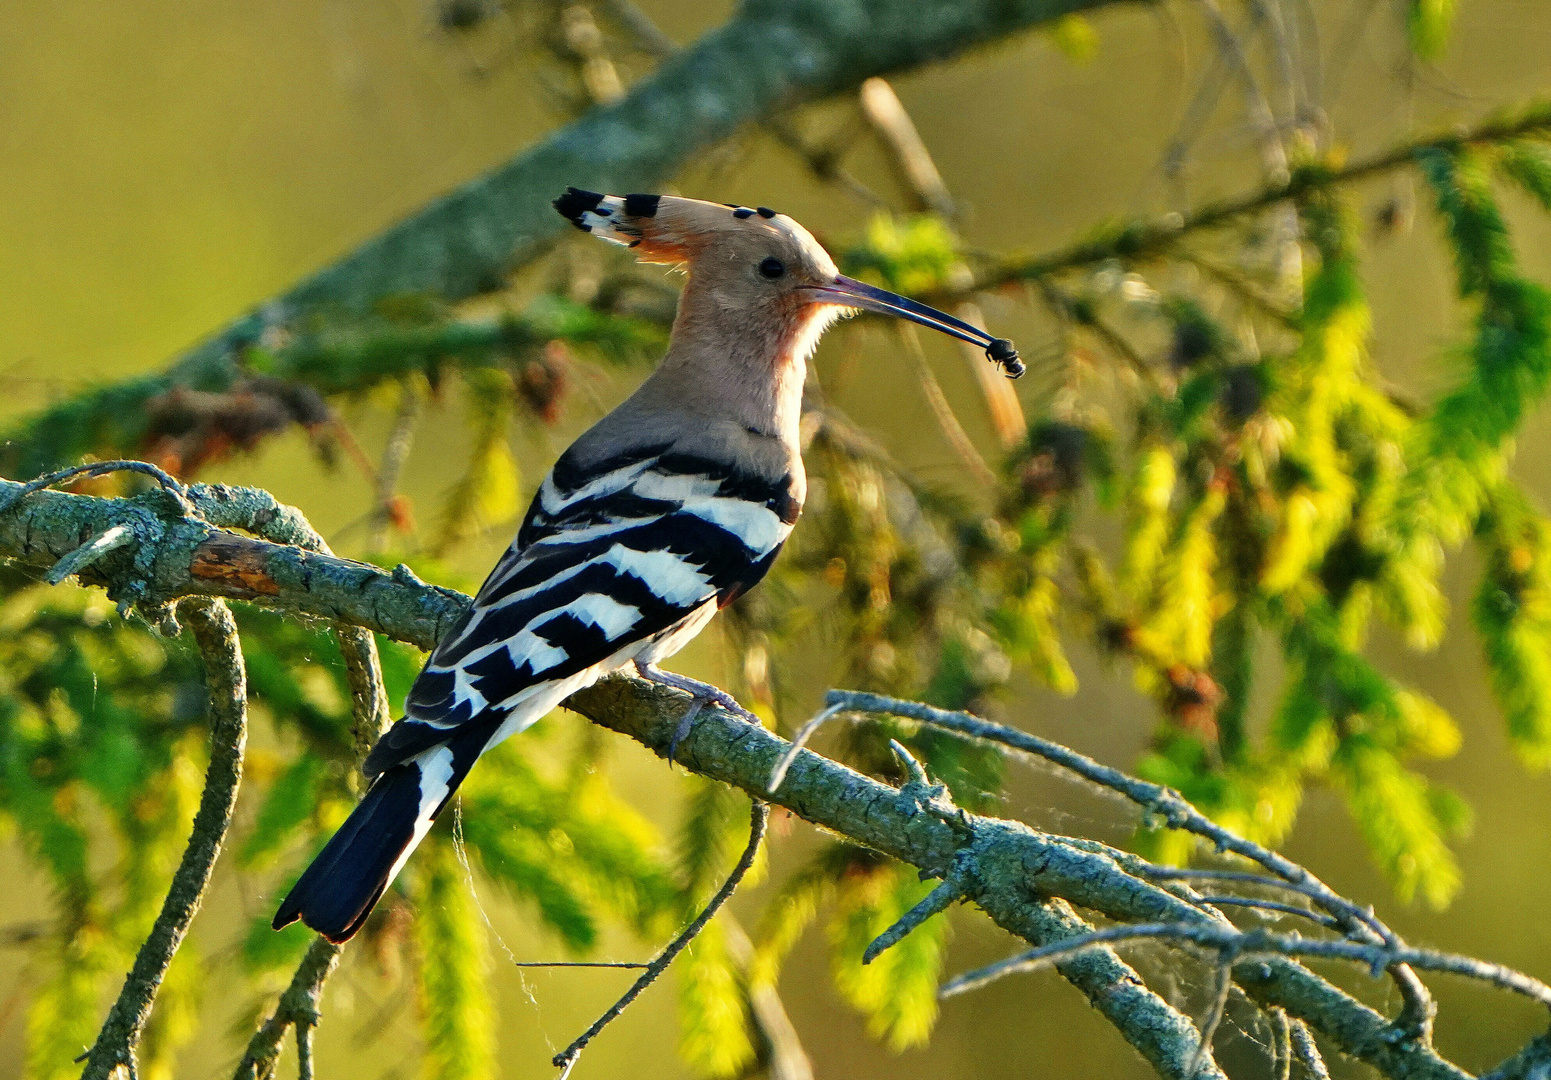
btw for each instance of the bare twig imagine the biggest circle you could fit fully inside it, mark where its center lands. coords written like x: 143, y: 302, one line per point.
x: 824, y: 163
x: 894, y: 128
x: 1271, y: 905
x: 1174, y: 811
x: 1307, y: 1051
x: 1006, y: 414
x: 1227, y: 941
x: 394, y: 454
x: 298, y: 1005
x: 938, y: 900
x: 799, y: 740
x: 1215, y: 1013
x: 646, y: 35
x: 759, y: 816
x: 785, y: 1059
x: 110, y: 539
x: 957, y: 437
x: 86, y: 472
x: 1282, y: 1051
x: 216, y: 634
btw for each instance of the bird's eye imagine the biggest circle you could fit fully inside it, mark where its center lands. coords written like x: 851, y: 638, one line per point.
x: 772, y: 267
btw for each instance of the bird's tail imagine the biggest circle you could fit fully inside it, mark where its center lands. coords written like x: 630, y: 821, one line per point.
x: 337, y: 892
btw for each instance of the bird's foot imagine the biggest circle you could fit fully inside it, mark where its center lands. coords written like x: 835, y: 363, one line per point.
x: 703, y: 693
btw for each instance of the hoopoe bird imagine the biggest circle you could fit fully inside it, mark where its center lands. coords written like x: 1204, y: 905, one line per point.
x: 661, y: 513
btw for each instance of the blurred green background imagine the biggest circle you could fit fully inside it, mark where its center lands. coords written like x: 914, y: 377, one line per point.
x: 165, y: 166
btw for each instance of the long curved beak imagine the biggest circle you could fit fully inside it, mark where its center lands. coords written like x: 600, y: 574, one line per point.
x: 848, y: 292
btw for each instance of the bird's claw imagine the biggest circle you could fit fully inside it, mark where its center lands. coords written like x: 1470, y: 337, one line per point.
x: 681, y: 729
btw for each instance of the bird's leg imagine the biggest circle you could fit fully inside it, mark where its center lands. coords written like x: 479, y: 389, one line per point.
x: 703, y: 693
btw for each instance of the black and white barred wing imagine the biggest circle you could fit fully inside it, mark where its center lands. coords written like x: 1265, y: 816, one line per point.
x: 627, y: 562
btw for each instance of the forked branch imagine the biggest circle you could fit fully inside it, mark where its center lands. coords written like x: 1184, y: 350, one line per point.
x: 216, y: 634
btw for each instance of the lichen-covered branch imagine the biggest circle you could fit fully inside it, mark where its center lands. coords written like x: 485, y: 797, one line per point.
x: 216, y: 633
x: 1028, y: 882
x: 1017, y: 872
x: 298, y: 1005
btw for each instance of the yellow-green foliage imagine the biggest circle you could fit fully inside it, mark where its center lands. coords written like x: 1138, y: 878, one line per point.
x: 792, y: 910
x: 714, y: 1035
x: 64, y: 1013
x: 487, y: 492
x: 910, y: 254
x: 1320, y: 383
x: 575, y: 850
x: 1152, y: 489
x: 1404, y: 820
x: 452, y: 950
x: 1429, y: 22
x: 1186, y: 606
x: 1512, y: 612
x: 1075, y: 37
x: 715, y: 1038
x: 897, y: 992
x: 1026, y: 629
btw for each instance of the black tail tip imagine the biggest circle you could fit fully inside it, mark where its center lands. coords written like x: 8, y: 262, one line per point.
x: 336, y: 932
x: 576, y: 202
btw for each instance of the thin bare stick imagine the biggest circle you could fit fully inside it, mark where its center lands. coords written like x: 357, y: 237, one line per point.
x: 226, y: 679
x: 110, y: 539
x: 1175, y: 811
x: 298, y: 1005
x: 645, y: 34
x: 1224, y: 940
x: 1281, y: 1048
x: 304, y: 1051
x: 886, y: 115
x: 87, y: 471
x: 1308, y: 1052
x: 824, y: 163
x: 939, y: 899
x: 580, y: 964
x: 394, y: 454
x: 1214, y: 1015
x: 957, y: 437
x: 804, y: 733
x: 759, y: 816
x: 1271, y: 905
x: 1001, y: 399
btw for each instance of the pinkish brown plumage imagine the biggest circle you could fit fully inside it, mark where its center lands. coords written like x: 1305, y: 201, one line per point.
x: 661, y: 513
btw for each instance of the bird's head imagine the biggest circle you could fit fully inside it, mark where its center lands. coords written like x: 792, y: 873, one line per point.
x: 754, y: 272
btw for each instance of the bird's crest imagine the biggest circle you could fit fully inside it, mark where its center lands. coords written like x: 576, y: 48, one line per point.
x: 661, y: 228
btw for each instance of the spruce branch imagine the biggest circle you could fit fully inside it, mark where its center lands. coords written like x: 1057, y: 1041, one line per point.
x: 1155, y: 236
x: 216, y: 634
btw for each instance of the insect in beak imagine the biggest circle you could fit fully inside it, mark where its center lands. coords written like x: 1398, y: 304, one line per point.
x: 848, y: 292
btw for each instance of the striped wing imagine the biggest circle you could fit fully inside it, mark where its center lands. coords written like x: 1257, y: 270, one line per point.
x: 606, y: 563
